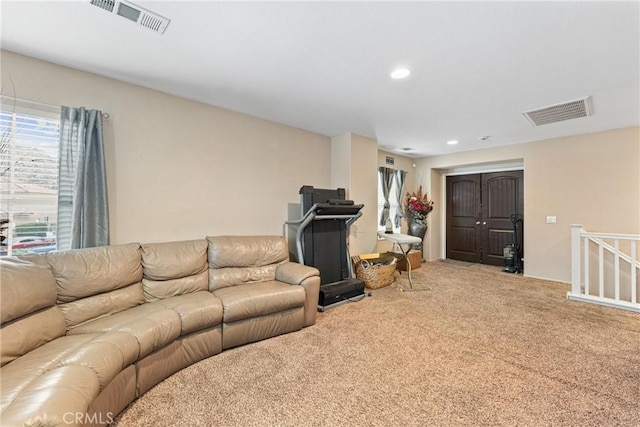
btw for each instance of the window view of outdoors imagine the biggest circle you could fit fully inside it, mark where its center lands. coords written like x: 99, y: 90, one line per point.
x: 28, y: 183
x: 393, y: 209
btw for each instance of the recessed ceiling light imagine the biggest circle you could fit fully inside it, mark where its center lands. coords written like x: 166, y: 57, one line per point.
x: 406, y: 149
x: 484, y: 138
x: 400, y: 73
x: 452, y: 142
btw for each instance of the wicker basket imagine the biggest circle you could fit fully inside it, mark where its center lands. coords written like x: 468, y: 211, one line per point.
x: 376, y: 273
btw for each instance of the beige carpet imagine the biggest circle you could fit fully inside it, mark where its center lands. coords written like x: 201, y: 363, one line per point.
x: 481, y: 348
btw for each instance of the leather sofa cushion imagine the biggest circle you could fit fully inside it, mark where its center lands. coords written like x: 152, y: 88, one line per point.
x: 173, y: 260
x: 232, y: 276
x: 29, y: 332
x: 153, y: 326
x: 263, y: 327
x: 155, y: 290
x: 86, y: 272
x: 104, y: 354
x: 26, y: 285
x: 258, y: 299
x: 174, y: 268
x: 246, y: 251
x: 91, y: 308
x: 236, y: 260
x: 47, y: 399
x: 199, y: 310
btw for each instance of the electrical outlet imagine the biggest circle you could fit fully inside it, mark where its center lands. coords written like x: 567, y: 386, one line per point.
x: 551, y: 220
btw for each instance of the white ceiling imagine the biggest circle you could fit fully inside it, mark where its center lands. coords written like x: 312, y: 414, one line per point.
x: 324, y: 66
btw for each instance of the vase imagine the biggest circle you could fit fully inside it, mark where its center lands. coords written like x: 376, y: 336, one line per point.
x: 417, y: 228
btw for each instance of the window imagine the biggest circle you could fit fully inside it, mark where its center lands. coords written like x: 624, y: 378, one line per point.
x: 393, y: 201
x: 28, y: 177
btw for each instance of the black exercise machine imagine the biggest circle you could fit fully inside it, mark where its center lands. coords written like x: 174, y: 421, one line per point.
x: 321, y: 242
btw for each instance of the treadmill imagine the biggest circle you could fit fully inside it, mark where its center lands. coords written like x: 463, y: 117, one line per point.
x: 321, y: 242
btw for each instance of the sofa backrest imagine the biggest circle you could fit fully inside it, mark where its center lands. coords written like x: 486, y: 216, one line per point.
x: 174, y: 268
x: 29, y: 317
x: 235, y: 260
x: 96, y: 282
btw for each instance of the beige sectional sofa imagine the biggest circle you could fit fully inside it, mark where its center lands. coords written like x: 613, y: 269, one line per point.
x: 85, y: 332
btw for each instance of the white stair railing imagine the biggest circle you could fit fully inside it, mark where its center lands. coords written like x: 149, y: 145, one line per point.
x: 621, y: 292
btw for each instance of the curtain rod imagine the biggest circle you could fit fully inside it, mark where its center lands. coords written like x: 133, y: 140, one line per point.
x: 105, y: 116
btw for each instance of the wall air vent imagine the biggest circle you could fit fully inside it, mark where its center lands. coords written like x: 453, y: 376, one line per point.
x: 108, y: 5
x: 134, y: 13
x: 560, y: 112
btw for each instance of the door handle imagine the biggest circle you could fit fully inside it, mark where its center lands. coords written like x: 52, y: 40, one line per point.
x: 477, y: 222
x: 484, y: 223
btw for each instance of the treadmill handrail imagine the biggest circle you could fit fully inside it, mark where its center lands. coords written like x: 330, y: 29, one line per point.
x: 311, y: 215
x: 320, y: 217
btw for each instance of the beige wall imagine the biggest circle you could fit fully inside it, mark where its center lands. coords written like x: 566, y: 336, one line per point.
x: 364, y: 155
x: 591, y: 179
x: 353, y: 168
x: 179, y: 169
x: 341, y: 161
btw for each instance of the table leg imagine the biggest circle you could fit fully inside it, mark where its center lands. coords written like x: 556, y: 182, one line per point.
x: 405, y: 255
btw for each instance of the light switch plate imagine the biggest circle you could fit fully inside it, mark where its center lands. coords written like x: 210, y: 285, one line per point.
x: 551, y: 220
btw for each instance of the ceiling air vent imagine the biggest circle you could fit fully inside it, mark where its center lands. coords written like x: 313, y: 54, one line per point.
x: 134, y: 13
x: 560, y: 112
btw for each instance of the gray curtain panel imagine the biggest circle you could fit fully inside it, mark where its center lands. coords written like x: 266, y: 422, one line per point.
x: 83, y: 213
x: 386, y: 179
x: 401, y: 177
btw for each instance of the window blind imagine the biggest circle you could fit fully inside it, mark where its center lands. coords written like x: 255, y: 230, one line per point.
x: 28, y: 177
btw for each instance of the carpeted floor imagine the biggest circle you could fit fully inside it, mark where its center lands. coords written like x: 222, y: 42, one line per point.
x: 480, y: 348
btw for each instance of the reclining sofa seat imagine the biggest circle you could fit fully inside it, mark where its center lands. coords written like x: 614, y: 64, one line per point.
x: 88, y: 331
x: 46, y: 374
x: 253, y: 278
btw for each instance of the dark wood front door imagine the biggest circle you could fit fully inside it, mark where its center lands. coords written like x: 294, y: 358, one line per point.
x: 479, y: 209
x: 463, y: 217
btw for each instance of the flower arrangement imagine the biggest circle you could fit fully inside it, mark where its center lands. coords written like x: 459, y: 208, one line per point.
x: 418, y: 204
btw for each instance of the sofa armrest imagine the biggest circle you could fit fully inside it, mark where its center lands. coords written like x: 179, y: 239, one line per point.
x: 294, y: 273
x: 307, y: 277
